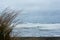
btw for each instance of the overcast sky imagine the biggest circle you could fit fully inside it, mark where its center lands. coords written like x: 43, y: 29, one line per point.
x: 31, y: 7
x: 31, y: 4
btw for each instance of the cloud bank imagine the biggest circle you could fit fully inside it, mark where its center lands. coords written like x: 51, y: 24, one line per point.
x: 35, y: 10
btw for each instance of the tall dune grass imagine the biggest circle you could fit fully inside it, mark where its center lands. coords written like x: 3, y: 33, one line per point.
x: 7, y: 23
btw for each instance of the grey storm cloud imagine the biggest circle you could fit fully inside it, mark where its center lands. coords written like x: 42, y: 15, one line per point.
x: 37, y: 10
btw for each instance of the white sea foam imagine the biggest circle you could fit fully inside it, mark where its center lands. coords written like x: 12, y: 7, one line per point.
x: 42, y: 26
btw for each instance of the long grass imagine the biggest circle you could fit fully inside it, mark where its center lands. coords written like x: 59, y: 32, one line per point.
x: 7, y: 23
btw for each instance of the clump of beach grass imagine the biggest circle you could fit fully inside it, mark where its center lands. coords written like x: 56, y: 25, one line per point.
x: 7, y: 23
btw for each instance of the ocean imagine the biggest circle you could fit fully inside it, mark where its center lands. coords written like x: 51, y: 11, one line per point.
x: 36, y: 30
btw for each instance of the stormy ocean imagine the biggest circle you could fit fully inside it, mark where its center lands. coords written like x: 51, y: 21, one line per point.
x: 37, y: 30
